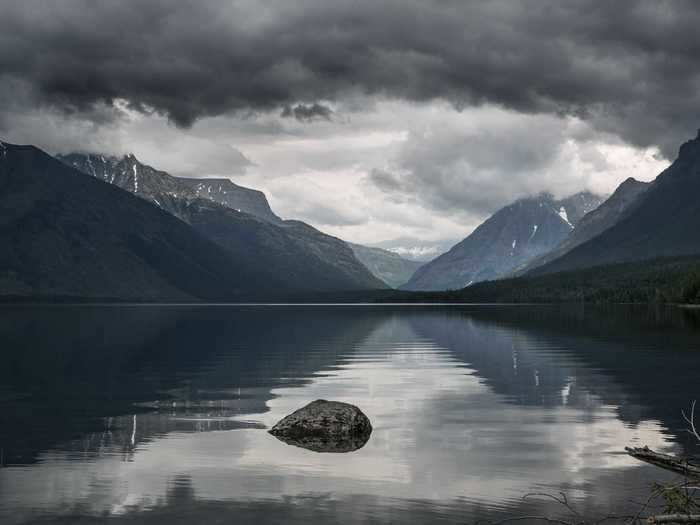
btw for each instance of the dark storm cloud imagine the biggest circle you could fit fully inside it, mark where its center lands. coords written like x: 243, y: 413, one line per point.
x: 307, y: 113
x: 628, y: 67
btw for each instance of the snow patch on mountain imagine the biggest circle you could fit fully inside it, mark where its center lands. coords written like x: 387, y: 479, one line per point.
x: 534, y: 231
x: 136, y: 179
x: 564, y: 216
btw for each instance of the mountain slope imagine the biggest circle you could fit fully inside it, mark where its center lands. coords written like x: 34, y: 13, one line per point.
x: 161, y: 188
x: 508, y: 239
x: 293, y: 252
x: 664, y: 222
x: 387, y: 266
x: 333, y: 251
x: 595, y: 222
x: 302, y: 257
x: 67, y: 234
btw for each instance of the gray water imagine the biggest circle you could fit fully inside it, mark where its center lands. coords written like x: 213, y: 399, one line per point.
x: 158, y: 414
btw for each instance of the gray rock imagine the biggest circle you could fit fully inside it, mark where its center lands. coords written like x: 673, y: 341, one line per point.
x: 325, y: 426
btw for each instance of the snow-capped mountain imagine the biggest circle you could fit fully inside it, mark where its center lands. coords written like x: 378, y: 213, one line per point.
x: 164, y: 189
x: 595, y: 222
x: 663, y: 222
x: 508, y: 239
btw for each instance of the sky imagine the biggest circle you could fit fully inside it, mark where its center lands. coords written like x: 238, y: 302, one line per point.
x: 373, y: 120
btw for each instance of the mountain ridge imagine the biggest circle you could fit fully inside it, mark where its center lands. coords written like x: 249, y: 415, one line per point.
x: 159, y: 186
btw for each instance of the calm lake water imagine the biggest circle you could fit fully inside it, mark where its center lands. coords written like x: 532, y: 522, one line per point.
x: 158, y: 414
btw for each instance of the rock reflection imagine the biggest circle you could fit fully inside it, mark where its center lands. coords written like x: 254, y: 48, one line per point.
x: 333, y: 444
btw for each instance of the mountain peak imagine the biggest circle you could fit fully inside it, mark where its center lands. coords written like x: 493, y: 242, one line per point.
x: 629, y: 183
x: 690, y: 149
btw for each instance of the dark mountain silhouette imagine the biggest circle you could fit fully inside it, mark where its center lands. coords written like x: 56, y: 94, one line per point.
x: 292, y: 251
x: 66, y: 234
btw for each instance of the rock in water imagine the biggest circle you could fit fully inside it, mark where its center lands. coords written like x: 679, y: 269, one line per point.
x: 325, y: 426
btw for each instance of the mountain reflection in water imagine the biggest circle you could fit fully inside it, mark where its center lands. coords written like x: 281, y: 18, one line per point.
x: 109, y: 412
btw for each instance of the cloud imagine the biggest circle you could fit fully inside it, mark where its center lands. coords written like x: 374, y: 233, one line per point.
x: 469, y: 164
x: 386, y: 181
x: 315, y: 198
x: 628, y: 68
x: 427, y: 115
x: 307, y: 113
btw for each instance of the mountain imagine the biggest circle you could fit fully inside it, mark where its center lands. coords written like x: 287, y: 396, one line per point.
x: 663, y: 222
x: 293, y: 252
x: 387, y: 266
x: 333, y: 251
x: 508, y: 239
x: 161, y: 188
x: 415, y: 249
x: 65, y: 234
x: 302, y: 257
x: 595, y: 222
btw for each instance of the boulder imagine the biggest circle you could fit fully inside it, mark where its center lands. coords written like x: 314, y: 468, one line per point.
x: 325, y: 426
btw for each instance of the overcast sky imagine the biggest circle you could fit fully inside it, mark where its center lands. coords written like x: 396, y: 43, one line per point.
x: 373, y: 119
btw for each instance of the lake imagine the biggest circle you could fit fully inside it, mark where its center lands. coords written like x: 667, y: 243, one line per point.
x: 158, y: 414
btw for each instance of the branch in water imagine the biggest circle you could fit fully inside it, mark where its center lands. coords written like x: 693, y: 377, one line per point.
x: 674, y: 518
x: 679, y: 465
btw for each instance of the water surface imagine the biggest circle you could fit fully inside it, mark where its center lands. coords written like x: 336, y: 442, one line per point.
x: 158, y: 414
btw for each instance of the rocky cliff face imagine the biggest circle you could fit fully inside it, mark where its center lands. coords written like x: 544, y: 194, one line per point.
x: 233, y: 196
x: 161, y: 188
